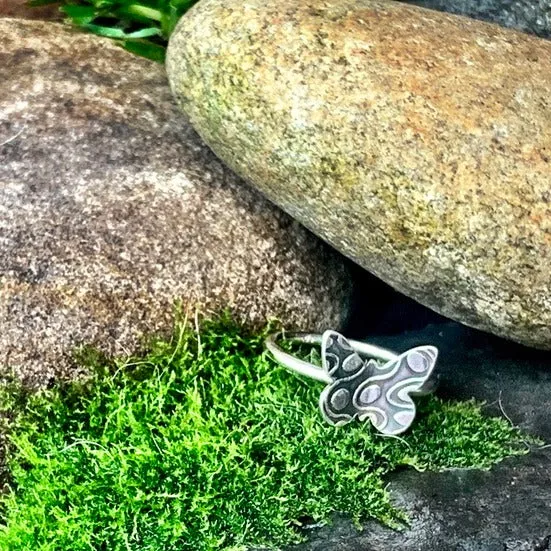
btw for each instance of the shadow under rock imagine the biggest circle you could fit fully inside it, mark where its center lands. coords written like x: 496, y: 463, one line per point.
x: 507, y: 508
x: 377, y: 309
x: 504, y: 509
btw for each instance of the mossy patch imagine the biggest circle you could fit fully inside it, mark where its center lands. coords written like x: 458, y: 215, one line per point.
x: 206, y: 444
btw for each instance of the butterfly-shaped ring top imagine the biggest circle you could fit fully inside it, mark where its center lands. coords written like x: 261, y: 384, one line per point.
x: 365, y: 389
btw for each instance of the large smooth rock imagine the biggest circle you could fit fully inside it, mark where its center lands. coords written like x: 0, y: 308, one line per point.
x: 532, y: 16
x: 112, y: 210
x: 417, y: 143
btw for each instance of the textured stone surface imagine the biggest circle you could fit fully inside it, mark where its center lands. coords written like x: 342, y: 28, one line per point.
x: 20, y: 8
x: 533, y: 16
x: 417, y: 143
x: 507, y: 508
x: 112, y: 209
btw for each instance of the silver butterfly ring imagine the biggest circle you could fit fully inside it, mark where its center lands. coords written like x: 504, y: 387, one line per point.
x: 365, y: 389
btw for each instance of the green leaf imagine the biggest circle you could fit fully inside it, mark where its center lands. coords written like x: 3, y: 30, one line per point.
x: 148, y: 50
x: 182, y: 5
x: 81, y: 15
x: 112, y: 32
x: 145, y: 33
x: 149, y: 22
x: 141, y: 11
x: 170, y: 20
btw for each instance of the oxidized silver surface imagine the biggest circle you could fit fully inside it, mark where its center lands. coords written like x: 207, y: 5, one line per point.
x: 365, y: 389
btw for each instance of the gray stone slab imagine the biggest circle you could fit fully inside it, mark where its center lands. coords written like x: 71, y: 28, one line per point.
x: 531, y: 16
x: 507, y: 508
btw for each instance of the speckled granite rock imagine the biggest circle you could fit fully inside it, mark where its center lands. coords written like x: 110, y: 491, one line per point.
x: 21, y: 8
x: 112, y: 209
x: 417, y: 143
x: 532, y: 16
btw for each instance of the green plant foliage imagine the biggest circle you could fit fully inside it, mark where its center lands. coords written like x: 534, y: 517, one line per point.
x: 142, y: 26
x: 206, y: 444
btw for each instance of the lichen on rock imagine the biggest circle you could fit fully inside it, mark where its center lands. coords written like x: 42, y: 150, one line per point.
x: 415, y: 142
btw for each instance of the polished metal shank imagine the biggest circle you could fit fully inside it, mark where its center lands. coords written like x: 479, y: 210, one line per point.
x: 309, y: 370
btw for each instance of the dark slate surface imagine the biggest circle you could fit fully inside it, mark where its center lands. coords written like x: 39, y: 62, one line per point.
x: 505, y: 509
x: 531, y: 16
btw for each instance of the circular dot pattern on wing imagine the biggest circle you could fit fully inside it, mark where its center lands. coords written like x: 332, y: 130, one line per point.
x: 417, y: 362
x: 365, y: 390
x: 369, y: 394
x: 340, y: 398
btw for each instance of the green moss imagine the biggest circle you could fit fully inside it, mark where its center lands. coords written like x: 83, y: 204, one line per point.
x: 205, y: 444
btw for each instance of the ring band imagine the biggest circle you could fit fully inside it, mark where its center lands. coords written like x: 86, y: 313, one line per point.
x: 364, y: 389
x: 309, y: 370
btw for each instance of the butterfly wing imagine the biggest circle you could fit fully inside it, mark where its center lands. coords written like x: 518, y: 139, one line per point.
x: 385, y: 397
x: 348, y: 371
